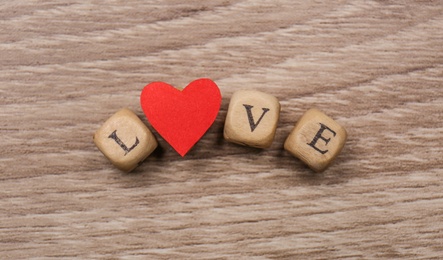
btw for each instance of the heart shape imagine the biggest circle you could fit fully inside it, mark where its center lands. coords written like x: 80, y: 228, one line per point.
x: 181, y: 117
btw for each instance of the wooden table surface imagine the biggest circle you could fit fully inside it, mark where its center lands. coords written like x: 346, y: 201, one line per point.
x: 374, y: 66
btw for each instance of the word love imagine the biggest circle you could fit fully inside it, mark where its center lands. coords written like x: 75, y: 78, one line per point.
x: 183, y: 117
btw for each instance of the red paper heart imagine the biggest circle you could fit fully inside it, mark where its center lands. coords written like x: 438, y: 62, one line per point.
x: 181, y: 117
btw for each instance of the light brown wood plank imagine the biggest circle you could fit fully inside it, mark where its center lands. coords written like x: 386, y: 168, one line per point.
x: 374, y: 66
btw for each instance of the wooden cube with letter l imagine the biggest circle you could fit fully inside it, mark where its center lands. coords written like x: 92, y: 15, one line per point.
x: 125, y: 140
x: 316, y: 140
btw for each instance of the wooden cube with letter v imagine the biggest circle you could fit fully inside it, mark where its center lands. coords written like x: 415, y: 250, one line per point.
x: 252, y: 118
x: 125, y: 140
x: 316, y: 140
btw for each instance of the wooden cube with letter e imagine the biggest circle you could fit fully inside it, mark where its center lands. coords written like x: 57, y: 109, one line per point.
x: 316, y: 140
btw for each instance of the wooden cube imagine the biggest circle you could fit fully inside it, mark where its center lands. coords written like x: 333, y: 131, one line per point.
x: 125, y: 140
x: 316, y: 140
x: 252, y: 118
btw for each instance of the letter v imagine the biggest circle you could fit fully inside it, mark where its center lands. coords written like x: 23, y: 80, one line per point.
x: 252, y: 124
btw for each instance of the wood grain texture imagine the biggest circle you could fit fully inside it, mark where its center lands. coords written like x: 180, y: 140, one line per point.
x: 374, y: 66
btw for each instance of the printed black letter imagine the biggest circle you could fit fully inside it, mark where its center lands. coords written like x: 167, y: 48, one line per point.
x: 122, y: 145
x: 319, y: 136
x: 252, y: 124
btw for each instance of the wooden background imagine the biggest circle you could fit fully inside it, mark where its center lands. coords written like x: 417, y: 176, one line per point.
x: 374, y: 66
